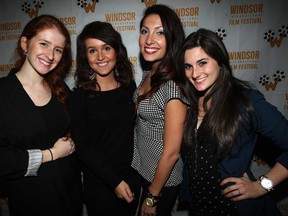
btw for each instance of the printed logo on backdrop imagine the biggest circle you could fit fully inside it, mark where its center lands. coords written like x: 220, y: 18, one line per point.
x: 246, y: 14
x: 258, y: 161
x: 70, y: 23
x: 32, y: 9
x: 133, y: 60
x: 5, y: 68
x: 241, y: 60
x: 12, y: 30
x: 215, y: 1
x: 270, y: 37
x: 149, y: 3
x: 9, y: 31
x: 122, y: 21
x: 88, y: 6
x: 277, y: 77
x: 72, y: 69
x: 189, y: 16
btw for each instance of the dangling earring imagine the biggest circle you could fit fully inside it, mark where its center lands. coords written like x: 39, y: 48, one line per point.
x: 116, y: 72
x: 25, y: 53
x: 92, y: 74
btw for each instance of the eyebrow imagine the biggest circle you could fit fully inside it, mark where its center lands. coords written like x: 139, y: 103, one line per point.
x: 158, y: 27
x: 202, y: 59
x: 103, y: 45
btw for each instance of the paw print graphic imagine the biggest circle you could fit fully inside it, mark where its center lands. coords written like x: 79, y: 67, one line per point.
x: 279, y: 75
x: 221, y: 33
x: 283, y: 30
x: 269, y: 35
x: 38, y: 4
x: 263, y: 80
x: 26, y: 7
x: 82, y: 3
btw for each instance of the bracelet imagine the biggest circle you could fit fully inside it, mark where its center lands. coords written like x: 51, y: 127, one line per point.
x: 152, y: 196
x: 51, y: 154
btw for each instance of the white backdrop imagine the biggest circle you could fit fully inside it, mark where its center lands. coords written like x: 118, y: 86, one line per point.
x: 254, y: 31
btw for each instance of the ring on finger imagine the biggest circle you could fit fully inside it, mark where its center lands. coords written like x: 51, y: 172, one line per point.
x: 238, y: 192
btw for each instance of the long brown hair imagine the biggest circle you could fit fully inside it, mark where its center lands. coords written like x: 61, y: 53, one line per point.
x: 229, y: 105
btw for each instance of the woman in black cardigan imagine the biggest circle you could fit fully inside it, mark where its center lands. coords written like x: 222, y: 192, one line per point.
x: 35, y: 150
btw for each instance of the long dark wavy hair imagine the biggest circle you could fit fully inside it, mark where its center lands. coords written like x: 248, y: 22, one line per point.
x: 54, y: 78
x: 174, y: 35
x: 105, y: 32
x: 225, y: 113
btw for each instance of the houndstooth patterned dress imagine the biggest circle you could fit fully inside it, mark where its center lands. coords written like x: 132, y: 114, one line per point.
x: 148, y: 134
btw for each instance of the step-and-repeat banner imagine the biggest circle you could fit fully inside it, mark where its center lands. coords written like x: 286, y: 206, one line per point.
x: 254, y: 31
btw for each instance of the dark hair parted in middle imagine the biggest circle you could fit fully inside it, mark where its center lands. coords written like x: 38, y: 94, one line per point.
x: 174, y: 35
x: 105, y: 32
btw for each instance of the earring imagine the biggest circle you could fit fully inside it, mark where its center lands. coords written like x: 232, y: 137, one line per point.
x: 25, y: 53
x: 92, y: 74
x: 116, y: 72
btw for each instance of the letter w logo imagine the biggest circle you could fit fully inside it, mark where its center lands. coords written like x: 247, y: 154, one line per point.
x: 89, y: 7
x: 33, y: 12
x: 270, y: 85
x: 276, y: 41
x: 269, y: 36
x: 149, y: 3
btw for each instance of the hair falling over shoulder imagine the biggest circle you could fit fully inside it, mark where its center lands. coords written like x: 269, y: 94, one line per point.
x: 228, y: 104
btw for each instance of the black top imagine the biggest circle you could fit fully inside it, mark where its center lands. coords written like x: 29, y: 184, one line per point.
x: 203, y: 179
x: 102, y: 128
x: 56, y: 190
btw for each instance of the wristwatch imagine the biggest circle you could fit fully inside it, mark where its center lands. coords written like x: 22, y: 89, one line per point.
x: 151, y: 200
x: 266, y: 183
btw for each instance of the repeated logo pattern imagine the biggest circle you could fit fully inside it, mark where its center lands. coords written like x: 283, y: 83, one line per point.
x: 87, y: 6
x: 270, y: 37
x: 278, y: 76
x: 32, y: 10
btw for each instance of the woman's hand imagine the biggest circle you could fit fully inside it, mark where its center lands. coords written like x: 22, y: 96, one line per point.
x: 123, y: 192
x: 62, y: 148
x: 243, y: 188
x: 147, y: 210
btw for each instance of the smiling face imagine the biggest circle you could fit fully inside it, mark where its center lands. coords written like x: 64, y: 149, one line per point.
x: 201, y: 70
x: 152, y: 40
x: 44, y: 50
x: 101, y: 57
